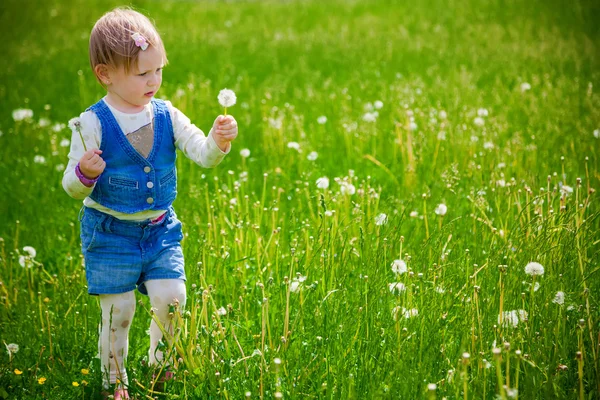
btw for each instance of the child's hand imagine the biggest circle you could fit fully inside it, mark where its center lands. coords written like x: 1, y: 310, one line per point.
x: 91, y: 164
x: 224, y: 131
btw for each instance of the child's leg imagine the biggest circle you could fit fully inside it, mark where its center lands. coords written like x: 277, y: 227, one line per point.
x: 163, y: 292
x: 117, y: 314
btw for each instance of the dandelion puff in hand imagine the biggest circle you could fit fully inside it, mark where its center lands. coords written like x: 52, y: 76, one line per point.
x: 75, y: 125
x: 533, y: 268
x: 226, y: 98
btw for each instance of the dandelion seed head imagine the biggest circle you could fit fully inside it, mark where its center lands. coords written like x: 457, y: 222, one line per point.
x: 312, y: 156
x: 399, y: 267
x: 323, y: 182
x: 381, y: 219
x: 245, y: 153
x: 441, y: 209
x: 534, y: 269
x: 21, y: 114
x: 227, y: 98
x: 322, y: 120
x: 559, y: 298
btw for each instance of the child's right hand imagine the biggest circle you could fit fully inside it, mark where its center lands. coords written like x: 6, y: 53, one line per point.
x: 91, y: 164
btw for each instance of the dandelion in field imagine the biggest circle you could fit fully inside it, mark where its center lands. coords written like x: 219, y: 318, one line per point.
x: 512, y: 393
x: 443, y: 114
x: 276, y: 123
x: 322, y: 120
x: 221, y: 311
x: 245, y: 153
x: 413, y: 312
x: 432, y: 387
x: 478, y: 121
x: 396, y: 287
x: 441, y: 135
x: 43, y: 122
x: 41, y: 380
x: 12, y: 348
x: 294, y: 286
x: 328, y: 213
x: 76, y: 384
x: 534, y: 269
x: 559, y: 298
x: 378, y: 104
x: 413, y: 126
x: 226, y: 99
x: 21, y: 114
x: 347, y: 188
x: 30, y: 251
x: 381, y: 219
x: 370, y: 116
x: 399, y: 267
x: 525, y: 87
x: 413, y: 214
x: 312, y: 156
x: 323, y: 182
x: 39, y: 159
x: 566, y: 190
x: 295, y: 146
x: 509, y: 319
x: 85, y: 371
x: 441, y: 209
x: 488, y: 145
x: 17, y: 371
x: 482, y: 112
x: 58, y: 127
x: 65, y: 143
x: 597, y: 133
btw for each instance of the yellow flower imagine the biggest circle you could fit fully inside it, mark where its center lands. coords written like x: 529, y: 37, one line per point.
x: 42, y: 380
x: 18, y: 371
x: 84, y: 383
x: 85, y: 371
x: 75, y: 384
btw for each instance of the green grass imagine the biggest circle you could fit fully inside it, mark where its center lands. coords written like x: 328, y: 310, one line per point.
x: 292, y: 62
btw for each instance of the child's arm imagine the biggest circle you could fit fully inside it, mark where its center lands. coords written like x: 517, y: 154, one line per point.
x: 198, y: 147
x: 91, y: 132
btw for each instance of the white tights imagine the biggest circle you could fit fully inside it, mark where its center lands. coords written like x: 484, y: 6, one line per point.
x: 117, y: 314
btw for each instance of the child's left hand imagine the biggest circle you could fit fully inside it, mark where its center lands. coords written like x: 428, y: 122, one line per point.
x: 224, y: 130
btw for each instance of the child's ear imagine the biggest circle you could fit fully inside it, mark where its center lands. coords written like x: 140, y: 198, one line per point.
x: 102, y: 73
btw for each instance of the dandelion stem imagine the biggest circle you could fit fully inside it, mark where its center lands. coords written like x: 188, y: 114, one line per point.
x: 81, y: 136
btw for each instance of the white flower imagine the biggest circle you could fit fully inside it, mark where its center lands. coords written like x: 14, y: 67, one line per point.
x: 378, y: 104
x: 30, y: 251
x: 222, y: 311
x: 21, y: 114
x: 226, y: 98
x: 414, y: 214
x: 509, y: 318
x: 60, y: 167
x: 58, y: 127
x: 245, y: 153
x: 381, y: 219
x: 482, y: 112
x: 397, y: 287
x: 441, y: 209
x: 233, y: 201
x: 512, y: 392
x: 525, y: 87
x: 488, y: 145
x: 43, y: 122
x: 74, y: 124
x: 441, y: 135
x: 347, y: 188
x: 399, y: 267
x: 322, y: 119
x: 276, y: 123
x: 567, y: 190
x: 413, y: 312
x: 323, y: 182
x: 559, y: 298
x: 39, y: 159
x: 65, y: 143
x: 294, y: 286
x: 294, y: 145
x: 479, y: 121
x: 370, y: 116
x: 312, y: 156
x: 443, y: 114
x: 328, y: 213
x: 533, y: 268
x: 536, y: 287
x: 413, y: 126
x: 597, y: 133
x: 12, y: 348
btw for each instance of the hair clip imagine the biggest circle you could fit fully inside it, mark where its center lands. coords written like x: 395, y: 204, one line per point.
x: 140, y: 41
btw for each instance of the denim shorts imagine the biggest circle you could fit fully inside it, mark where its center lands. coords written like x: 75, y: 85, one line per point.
x: 121, y: 255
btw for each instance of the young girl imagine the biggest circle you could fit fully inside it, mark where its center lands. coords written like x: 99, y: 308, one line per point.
x: 127, y: 177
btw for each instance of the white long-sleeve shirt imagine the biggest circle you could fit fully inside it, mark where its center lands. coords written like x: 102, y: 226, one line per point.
x: 201, y: 149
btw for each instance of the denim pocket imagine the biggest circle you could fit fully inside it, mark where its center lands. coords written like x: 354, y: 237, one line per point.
x: 167, y: 178
x: 122, y: 183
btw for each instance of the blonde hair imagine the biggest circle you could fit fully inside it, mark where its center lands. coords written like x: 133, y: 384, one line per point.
x: 111, y: 42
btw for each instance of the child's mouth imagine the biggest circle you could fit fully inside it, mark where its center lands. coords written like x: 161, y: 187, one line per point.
x: 149, y: 94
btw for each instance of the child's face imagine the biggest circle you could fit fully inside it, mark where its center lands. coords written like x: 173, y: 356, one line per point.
x: 136, y: 88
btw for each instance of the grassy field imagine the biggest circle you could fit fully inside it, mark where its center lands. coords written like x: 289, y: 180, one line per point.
x: 460, y: 139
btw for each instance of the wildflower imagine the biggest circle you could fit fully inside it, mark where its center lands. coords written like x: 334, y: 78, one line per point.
x: 381, y: 219
x: 11, y: 348
x: 276, y: 123
x: 525, y: 87
x: 76, y: 384
x: 84, y: 382
x: 294, y: 145
x: 413, y: 312
x: 322, y: 119
x: 488, y: 145
x: 222, y: 311
x: 179, y: 93
x: 398, y: 287
x: 43, y: 122
x: 65, y: 143
x: 443, y: 114
x: 441, y: 135
x: 312, y: 156
x: 58, y: 127
x: 226, y: 98
x: 431, y: 387
x: 512, y: 393
x: 323, y: 182
x: 533, y: 268
x: 85, y: 371
x: 74, y: 123
x: 347, y: 188
x: 441, y: 209
x: 413, y: 126
x: 482, y: 112
x: 30, y: 251
x: 294, y: 286
x: 328, y: 213
x: 479, y: 121
x: 21, y: 114
x: 559, y: 298
x: 414, y: 214
x: 566, y: 190
x: 370, y: 116
x: 233, y: 201
x: 378, y: 104
x: 245, y: 153
x: 39, y: 159
x: 42, y: 380
x: 597, y: 133
x: 509, y: 318
x: 399, y: 267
